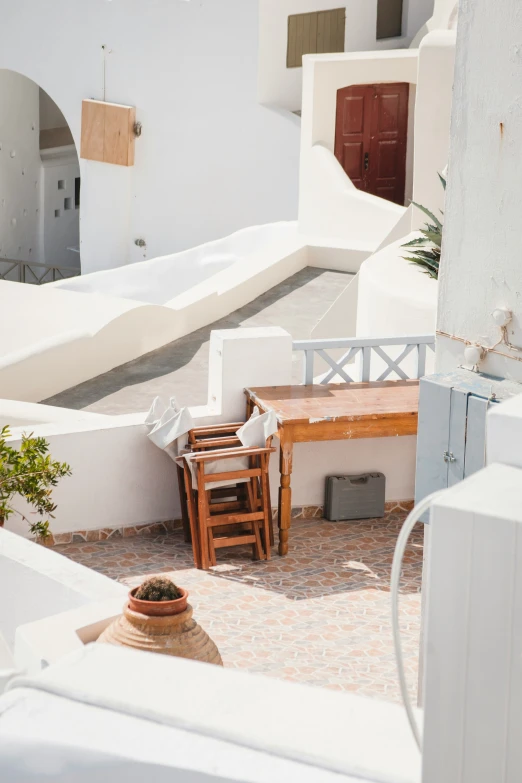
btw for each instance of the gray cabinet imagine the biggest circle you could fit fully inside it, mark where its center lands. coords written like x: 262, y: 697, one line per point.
x: 451, y: 442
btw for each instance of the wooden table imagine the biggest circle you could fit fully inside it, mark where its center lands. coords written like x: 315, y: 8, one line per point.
x: 343, y: 411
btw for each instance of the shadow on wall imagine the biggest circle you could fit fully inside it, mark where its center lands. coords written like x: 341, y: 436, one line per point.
x: 39, y: 184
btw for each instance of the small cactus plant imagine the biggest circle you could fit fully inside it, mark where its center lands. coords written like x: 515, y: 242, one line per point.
x: 158, y: 588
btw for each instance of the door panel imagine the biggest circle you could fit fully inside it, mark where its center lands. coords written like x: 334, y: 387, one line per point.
x: 354, y: 116
x: 457, y: 436
x: 353, y: 160
x: 432, y: 438
x: 476, y: 435
x: 371, y: 136
x: 388, y: 141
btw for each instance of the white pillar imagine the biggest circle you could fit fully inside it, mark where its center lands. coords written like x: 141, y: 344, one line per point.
x: 241, y: 358
x: 473, y: 685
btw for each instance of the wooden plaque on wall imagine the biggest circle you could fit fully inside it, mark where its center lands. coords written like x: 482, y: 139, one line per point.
x: 108, y: 132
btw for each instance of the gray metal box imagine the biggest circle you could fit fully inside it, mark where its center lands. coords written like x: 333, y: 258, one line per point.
x: 355, y: 497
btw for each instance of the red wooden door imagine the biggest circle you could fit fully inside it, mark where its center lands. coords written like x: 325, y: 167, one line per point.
x: 371, y: 133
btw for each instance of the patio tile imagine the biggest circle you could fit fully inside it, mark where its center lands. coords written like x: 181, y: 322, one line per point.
x: 321, y: 615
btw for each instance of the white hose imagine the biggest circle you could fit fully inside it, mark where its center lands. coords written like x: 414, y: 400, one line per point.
x: 411, y: 520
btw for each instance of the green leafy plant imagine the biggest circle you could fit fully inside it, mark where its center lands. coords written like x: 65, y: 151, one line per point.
x: 426, y: 249
x: 31, y: 473
x: 158, y: 588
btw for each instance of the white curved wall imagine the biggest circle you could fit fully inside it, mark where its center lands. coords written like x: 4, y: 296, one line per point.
x: 67, y: 337
x: 395, y: 297
x: 211, y: 160
x: 445, y: 16
x: 160, y: 280
x: 332, y: 206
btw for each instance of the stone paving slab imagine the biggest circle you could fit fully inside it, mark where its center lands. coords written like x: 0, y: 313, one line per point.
x: 321, y: 615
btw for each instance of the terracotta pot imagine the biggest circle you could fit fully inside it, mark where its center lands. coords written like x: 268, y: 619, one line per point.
x: 175, y: 634
x: 158, y: 608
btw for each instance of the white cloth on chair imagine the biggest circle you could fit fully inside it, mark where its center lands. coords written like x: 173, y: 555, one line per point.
x: 258, y: 429
x: 169, y: 431
x: 253, y: 434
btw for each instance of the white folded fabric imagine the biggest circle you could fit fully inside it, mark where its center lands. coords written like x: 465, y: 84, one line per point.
x: 258, y: 429
x: 253, y: 434
x: 170, y: 431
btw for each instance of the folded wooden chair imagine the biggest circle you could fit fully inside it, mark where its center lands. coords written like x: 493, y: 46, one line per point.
x: 204, y: 439
x: 212, y: 520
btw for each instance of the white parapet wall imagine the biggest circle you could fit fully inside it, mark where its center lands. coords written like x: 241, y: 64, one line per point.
x: 40, y: 583
x: 97, y: 322
x: 148, y: 717
x: 120, y: 480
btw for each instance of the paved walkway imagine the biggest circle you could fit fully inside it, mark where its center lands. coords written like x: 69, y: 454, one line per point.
x: 181, y: 367
x: 321, y: 615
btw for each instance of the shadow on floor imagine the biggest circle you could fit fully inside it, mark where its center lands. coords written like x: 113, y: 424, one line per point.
x: 325, y: 559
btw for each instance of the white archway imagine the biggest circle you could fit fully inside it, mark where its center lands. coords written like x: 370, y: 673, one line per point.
x: 39, y: 182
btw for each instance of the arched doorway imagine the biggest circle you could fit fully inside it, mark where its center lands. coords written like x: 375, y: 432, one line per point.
x: 39, y: 185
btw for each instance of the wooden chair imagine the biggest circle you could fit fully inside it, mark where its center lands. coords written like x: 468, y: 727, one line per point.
x: 244, y: 504
x: 206, y: 438
x: 203, y: 439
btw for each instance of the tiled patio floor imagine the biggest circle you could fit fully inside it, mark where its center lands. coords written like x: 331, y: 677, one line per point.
x: 321, y: 615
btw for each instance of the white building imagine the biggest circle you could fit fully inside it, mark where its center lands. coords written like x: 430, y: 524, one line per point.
x: 159, y: 722
x: 214, y: 85
x: 209, y: 153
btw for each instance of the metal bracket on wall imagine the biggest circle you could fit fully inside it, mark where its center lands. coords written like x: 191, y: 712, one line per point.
x: 449, y: 456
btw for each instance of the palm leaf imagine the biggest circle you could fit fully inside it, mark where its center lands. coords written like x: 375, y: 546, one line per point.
x: 417, y: 242
x: 429, y: 268
x: 428, y: 213
x: 433, y: 236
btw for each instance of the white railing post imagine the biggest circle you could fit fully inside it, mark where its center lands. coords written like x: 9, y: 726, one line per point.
x: 421, y: 365
x: 366, y: 364
x: 309, y: 368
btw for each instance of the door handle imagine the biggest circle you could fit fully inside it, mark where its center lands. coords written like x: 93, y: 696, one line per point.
x: 367, y: 161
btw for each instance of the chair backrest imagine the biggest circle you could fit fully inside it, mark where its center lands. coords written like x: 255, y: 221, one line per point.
x: 257, y: 431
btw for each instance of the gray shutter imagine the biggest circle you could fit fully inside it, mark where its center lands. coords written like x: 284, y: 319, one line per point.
x: 315, y: 33
x: 389, y: 19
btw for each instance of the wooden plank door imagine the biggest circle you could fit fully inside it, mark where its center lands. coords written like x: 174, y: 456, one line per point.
x: 371, y: 134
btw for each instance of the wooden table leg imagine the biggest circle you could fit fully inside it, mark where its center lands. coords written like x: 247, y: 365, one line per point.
x: 285, y: 492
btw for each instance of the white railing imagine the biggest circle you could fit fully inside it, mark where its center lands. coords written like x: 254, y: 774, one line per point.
x: 24, y: 272
x: 363, y: 348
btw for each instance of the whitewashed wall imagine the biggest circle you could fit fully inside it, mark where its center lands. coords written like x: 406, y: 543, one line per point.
x: 46, y: 584
x: 432, y: 120
x: 86, y: 334
x: 329, y: 205
x: 19, y: 168
x: 210, y: 160
x: 282, y: 86
x: 481, y: 268
x: 120, y: 479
